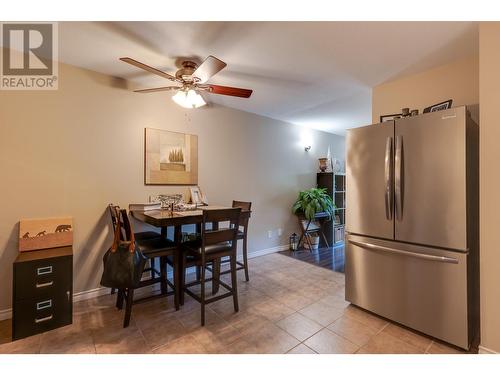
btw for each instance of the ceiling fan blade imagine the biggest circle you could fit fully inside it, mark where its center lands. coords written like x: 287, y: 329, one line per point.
x: 208, y: 68
x: 148, y: 68
x: 231, y: 91
x: 166, y: 88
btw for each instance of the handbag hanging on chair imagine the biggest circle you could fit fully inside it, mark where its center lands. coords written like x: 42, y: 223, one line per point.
x: 123, y: 262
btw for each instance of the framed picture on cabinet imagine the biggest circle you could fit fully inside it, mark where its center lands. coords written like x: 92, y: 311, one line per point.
x: 197, y: 196
x: 439, y: 106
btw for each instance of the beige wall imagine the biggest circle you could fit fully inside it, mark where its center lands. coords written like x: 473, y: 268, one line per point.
x: 458, y: 81
x: 489, y: 81
x: 74, y: 150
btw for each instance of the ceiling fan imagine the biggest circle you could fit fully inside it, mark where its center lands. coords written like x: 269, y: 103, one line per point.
x: 191, y: 79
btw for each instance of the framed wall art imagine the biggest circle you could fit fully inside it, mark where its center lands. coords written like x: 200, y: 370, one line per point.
x: 170, y: 158
x: 36, y: 234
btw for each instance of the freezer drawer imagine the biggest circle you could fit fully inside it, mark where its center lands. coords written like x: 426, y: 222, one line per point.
x: 420, y: 287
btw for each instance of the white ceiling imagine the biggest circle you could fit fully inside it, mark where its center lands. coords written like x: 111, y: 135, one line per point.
x: 317, y: 74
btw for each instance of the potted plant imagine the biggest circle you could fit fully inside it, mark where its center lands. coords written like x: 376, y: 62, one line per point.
x: 313, y: 201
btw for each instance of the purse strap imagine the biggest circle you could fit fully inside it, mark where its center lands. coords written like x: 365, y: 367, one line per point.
x: 131, y: 246
x: 116, y: 239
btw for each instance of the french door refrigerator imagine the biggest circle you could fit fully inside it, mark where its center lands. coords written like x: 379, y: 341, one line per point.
x: 412, y: 222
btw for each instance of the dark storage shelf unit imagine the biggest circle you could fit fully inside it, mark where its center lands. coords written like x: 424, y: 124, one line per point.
x: 336, y: 188
x: 42, y: 291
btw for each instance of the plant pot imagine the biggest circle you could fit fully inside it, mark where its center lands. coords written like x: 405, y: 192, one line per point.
x: 314, y: 239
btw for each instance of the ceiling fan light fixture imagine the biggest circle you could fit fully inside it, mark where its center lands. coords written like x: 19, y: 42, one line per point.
x: 192, y: 78
x: 188, y: 99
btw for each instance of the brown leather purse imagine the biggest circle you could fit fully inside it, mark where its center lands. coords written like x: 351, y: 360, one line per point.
x: 124, y: 262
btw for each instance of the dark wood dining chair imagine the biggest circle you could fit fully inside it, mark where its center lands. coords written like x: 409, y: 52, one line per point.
x: 114, y: 222
x: 147, y: 235
x: 214, y: 245
x: 114, y: 219
x: 242, y: 235
x: 157, y: 247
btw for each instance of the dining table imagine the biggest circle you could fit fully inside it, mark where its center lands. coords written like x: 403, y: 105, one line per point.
x: 166, y: 217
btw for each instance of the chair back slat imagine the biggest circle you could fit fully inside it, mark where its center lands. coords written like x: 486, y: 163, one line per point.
x: 220, y: 215
x: 127, y: 225
x: 112, y: 212
x: 115, y: 219
x: 213, y: 237
x: 245, y: 206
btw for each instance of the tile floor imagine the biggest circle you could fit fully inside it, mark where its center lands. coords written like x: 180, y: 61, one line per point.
x: 288, y: 306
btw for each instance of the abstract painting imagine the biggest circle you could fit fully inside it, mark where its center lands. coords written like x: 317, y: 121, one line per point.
x: 170, y: 158
x: 36, y: 234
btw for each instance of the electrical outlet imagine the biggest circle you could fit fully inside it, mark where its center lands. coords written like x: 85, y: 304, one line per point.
x: 269, y: 234
x: 280, y: 232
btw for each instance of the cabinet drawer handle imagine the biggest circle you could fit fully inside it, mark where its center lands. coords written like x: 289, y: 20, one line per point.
x: 44, y: 304
x: 43, y: 285
x: 43, y: 319
x: 44, y: 270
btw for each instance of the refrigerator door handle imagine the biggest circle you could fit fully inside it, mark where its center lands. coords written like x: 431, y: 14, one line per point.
x: 388, y: 178
x: 370, y: 246
x: 398, y: 188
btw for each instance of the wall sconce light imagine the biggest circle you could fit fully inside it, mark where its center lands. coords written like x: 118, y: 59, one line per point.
x: 306, y: 139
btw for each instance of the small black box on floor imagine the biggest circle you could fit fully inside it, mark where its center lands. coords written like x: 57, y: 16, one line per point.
x: 42, y: 291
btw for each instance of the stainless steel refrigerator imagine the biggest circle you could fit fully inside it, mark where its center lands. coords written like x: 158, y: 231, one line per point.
x: 412, y: 222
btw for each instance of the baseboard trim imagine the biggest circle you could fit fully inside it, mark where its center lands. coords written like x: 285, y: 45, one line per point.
x: 89, y: 294
x: 101, y: 291
x: 484, y: 350
x: 270, y: 250
x: 5, y: 314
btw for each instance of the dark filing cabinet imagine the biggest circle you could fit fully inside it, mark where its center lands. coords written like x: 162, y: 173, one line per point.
x: 42, y: 291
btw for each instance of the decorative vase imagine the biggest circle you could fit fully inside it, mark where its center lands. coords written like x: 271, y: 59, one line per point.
x: 336, y: 165
x: 323, y: 164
